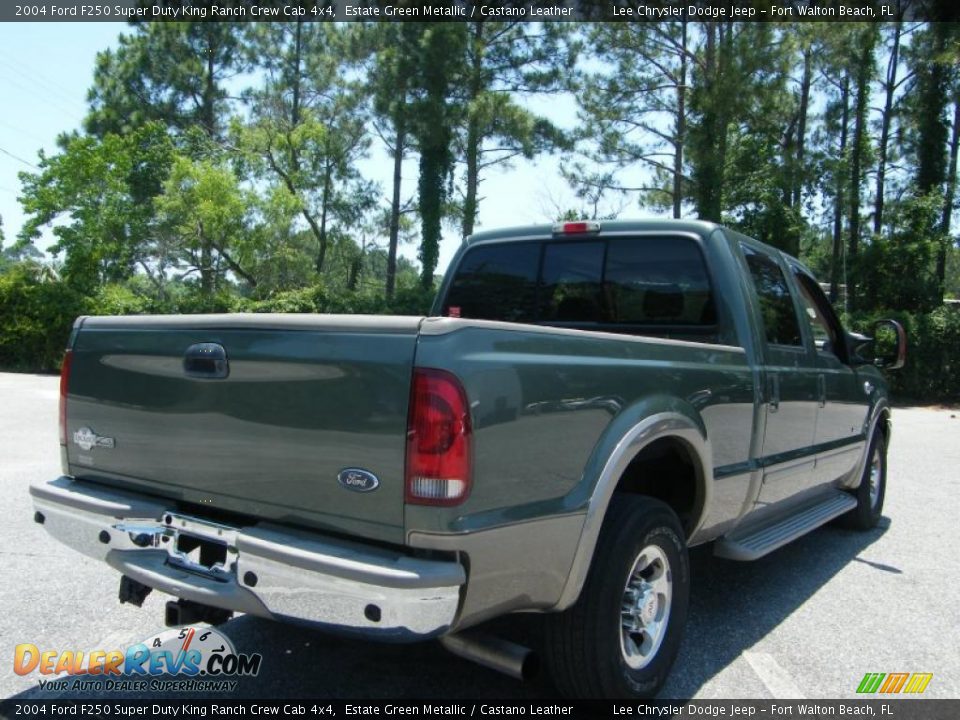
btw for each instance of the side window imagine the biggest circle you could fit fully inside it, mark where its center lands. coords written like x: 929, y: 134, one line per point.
x: 570, y: 284
x: 776, y: 305
x: 658, y: 280
x: 823, y: 321
x: 498, y: 282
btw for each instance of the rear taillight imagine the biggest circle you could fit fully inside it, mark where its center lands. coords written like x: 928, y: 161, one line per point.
x: 438, y: 440
x: 64, y: 385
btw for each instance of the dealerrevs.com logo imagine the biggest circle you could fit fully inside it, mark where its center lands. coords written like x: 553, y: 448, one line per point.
x: 181, y: 659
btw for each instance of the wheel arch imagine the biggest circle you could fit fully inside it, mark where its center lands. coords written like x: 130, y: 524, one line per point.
x: 877, y: 419
x: 676, y: 426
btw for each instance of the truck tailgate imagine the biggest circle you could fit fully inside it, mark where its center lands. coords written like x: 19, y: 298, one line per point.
x: 304, y: 398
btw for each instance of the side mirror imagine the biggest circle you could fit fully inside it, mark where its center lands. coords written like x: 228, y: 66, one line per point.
x: 890, y: 345
x: 887, y: 349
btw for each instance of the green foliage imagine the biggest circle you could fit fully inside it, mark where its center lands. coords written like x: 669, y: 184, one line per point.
x: 502, y: 61
x: 307, y: 132
x: 116, y: 299
x: 302, y: 300
x: 36, y: 315
x: 412, y: 300
x: 439, y: 68
x: 222, y: 164
x: 173, y: 73
x: 896, y: 270
x: 205, y: 209
x: 97, y: 194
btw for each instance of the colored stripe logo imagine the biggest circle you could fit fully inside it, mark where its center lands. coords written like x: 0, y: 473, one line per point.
x: 892, y: 683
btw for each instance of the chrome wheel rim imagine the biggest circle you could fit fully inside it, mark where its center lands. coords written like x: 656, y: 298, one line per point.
x: 645, y: 607
x: 876, y: 470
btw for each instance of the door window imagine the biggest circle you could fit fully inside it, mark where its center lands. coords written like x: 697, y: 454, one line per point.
x: 779, y: 314
x: 823, y: 320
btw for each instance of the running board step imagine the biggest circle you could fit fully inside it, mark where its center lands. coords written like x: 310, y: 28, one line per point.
x: 757, y: 542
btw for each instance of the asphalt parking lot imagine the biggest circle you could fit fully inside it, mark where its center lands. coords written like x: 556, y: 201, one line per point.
x: 807, y: 621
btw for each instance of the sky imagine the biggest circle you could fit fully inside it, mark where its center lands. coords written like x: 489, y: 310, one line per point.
x: 47, y: 68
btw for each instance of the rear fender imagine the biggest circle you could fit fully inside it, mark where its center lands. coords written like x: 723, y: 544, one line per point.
x: 648, y: 421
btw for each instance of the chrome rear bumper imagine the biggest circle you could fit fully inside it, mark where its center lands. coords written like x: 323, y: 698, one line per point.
x: 269, y: 570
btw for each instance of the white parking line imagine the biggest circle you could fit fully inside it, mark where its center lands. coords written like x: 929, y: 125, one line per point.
x: 774, y: 677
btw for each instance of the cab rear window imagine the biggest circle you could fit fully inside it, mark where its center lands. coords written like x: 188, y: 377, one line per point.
x: 645, y: 281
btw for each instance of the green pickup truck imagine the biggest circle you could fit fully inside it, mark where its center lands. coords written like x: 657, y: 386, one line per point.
x: 585, y: 402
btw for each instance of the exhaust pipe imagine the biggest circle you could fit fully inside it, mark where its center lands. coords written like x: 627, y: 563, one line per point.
x: 495, y: 653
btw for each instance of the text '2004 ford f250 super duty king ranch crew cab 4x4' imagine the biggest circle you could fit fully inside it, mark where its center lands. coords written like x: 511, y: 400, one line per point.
x: 586, y: 402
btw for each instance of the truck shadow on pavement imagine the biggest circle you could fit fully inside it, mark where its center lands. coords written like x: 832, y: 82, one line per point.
x: 733, y: 606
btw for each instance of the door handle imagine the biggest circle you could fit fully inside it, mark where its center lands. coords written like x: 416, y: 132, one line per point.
x: 773, y: 392
x: 822, y: 390
x: 207, y: 361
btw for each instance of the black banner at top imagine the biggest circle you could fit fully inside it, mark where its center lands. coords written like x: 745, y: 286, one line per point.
x: 479, y: 10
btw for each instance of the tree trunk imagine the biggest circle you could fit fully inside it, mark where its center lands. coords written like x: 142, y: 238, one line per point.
x: 400, y: 127
x: 681, y: 127
x: 711, y: 143
x: 805, y: 84
x: 297, y: 56
x: 948, y: 197
x: 296, y: 81
x: 864, y: 67
x: 473, y: 177
x: 838, y: 200
x: 885, y: 122
x: 434, y: 136
x: 932, y: 130
x: 322, y: 229
x: 472, y: 150
x: 206, y: 262
x: 209, y: 120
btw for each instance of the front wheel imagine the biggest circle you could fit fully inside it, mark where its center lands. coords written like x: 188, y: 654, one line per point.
x: 873, y: 487
x: 621, y: 637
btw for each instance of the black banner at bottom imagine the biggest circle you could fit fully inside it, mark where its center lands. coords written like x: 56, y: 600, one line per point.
x: 913, y: 709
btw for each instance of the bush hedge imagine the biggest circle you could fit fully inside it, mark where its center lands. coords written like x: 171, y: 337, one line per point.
x: 37, y: 312
x: 932, y: 372
x: 36, y: 315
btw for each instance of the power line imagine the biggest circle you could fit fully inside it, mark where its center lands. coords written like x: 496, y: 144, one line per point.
x: 39, y: 93
x: 19, y: 159
x: 39, y: 76
x: 22, y: 131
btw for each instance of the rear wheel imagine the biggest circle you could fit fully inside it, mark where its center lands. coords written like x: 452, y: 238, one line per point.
x: 873, y: 487
x: 622, y: 636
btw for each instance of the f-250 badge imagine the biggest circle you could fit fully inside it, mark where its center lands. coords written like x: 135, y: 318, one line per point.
x: 87, y: 439
x: 358, y: 480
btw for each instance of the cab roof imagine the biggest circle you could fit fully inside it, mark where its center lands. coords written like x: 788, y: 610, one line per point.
x: 526, y: 232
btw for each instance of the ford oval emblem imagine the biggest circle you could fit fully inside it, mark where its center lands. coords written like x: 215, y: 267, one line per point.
x: 358, y: 480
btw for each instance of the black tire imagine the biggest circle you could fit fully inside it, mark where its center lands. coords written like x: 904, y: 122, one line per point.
x: 869, y: 507
x: 587, y: 646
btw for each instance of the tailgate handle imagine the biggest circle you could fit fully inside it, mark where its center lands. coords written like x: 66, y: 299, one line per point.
x: 206, y: 360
